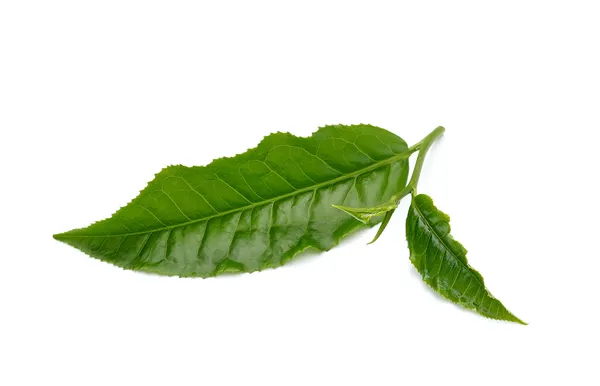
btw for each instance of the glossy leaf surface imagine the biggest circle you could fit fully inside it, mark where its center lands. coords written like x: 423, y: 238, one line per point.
x: 442, y: 261
x: 252, y: 211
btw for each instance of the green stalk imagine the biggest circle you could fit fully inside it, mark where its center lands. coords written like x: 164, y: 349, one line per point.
x: 423, y: 147
x: 411, y: 188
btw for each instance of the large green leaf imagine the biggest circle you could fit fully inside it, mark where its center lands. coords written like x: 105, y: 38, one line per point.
x: 252, y: 211
x: 442, y: 261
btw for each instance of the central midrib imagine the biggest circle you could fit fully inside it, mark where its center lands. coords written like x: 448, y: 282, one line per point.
x: 443, y: 242
x: 394, y: 158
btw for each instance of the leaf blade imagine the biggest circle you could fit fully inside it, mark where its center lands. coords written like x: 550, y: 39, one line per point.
x: 252, y: 211
x: 435, y: 254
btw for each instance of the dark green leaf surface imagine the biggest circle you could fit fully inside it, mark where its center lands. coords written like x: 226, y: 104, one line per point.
x: 442, y: 261
x: 252, y: 211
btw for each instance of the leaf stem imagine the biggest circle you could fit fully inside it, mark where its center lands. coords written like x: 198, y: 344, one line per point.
x: 423, y: 146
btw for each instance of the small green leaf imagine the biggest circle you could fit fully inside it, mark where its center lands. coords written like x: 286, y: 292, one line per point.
x: 255, y: 210
x: 365, y: 215
x: 384, y: 224
x: 442, y: 261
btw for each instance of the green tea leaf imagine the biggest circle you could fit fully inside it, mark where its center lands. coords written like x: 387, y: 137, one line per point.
x: 252, y: 211
x: 442, y: 261
x: 384, y: 223
x: 365, y: 215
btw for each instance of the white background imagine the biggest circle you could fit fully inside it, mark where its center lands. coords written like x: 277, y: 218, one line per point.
x: 96, y: 97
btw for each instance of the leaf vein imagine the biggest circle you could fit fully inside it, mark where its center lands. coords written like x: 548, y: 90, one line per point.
x: 198, y: 193
x: 250, y: 187
x: 174, y: 203
x: 149, y: 211
x: 234, y: 189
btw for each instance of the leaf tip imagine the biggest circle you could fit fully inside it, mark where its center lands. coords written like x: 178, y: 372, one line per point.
x: 519, y: 321
x: 62, y: 237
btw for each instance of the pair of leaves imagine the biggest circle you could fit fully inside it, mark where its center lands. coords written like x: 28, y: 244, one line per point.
x: 259, y: 209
